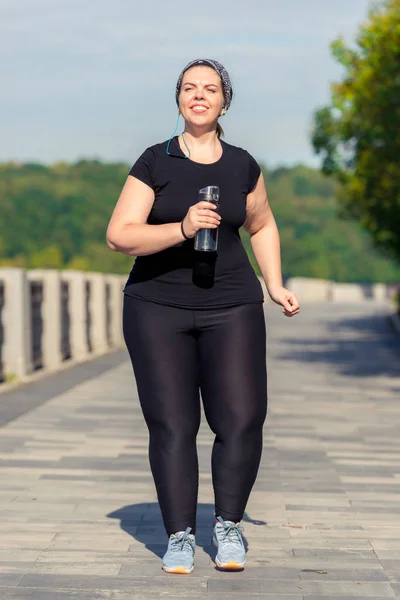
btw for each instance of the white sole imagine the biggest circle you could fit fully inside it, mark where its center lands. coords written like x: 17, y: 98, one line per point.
x: 178, y: 570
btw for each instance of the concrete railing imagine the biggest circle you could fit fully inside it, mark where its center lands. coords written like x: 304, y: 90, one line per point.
x: 321, y: 290
x: 50, y: 318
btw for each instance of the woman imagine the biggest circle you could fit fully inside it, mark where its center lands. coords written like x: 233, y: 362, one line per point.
x: 193, y: 321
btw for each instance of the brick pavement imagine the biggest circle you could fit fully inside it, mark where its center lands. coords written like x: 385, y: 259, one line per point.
x: 79, y: 518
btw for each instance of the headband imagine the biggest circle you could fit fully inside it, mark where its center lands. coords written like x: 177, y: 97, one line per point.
x: 222, y: 72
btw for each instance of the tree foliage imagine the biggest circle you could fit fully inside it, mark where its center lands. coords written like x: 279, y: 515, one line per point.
x: 358, y: 135
x: 57, y: 216
x: 315, y: 242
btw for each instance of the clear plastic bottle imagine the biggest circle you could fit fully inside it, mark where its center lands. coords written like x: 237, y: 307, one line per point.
x: 206, y: 240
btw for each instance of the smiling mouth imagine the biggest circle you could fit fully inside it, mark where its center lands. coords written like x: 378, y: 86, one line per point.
x: 199, y: 109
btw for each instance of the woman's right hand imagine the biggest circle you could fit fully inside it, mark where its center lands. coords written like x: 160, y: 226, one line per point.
x: 200, y: 216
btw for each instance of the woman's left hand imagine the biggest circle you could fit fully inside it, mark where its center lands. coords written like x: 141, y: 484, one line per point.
x: 286, y: 299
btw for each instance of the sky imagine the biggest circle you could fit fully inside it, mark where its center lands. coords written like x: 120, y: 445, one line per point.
x: 96, y: 79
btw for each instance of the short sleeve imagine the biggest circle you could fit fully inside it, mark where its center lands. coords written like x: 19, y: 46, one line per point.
x: 144, y: 168
x: 254, y: 173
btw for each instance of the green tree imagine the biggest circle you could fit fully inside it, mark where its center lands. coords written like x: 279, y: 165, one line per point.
x: 358, y: 135
x: 48, y: 258
x: 97, y: 256
x: 56, y: 217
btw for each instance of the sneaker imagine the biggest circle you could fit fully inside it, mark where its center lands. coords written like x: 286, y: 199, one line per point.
x: 227, y: 537
x: 179, y: 557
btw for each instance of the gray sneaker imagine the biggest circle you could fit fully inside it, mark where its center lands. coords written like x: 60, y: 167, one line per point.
x: 179, y: 556
x: 227, y: 537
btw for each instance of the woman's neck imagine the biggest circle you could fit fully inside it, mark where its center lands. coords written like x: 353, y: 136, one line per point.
x: 204, y: 147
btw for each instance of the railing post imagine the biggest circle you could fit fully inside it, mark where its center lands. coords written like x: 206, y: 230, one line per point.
x: 116, y: 283
x: 77, y: 294
x: 97, y: 309
x: 380, y: 292
x: 16, y: 323
x: 51, y: 314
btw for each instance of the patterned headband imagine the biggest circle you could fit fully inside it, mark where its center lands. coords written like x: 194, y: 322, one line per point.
x: 222, y: 72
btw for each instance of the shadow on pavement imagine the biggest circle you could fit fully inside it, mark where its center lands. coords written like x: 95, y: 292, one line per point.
x: 355, y: 346
x: 144, y: 523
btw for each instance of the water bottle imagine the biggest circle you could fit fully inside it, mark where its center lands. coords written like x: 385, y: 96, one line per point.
x: 206, y: 240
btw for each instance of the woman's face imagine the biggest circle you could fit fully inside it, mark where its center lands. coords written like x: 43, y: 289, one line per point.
x: 201, y: 96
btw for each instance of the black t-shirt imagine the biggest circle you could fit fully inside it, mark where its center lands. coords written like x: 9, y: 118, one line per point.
x: 179, y: 275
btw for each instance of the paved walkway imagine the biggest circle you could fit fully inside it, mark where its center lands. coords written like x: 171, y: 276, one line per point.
x: 79, y: 518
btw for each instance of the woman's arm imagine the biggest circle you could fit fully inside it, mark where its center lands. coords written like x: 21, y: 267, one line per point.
x: 128, y: 231
x: 264, y: 237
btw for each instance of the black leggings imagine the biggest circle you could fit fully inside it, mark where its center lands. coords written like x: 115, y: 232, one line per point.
x: 176, y: 353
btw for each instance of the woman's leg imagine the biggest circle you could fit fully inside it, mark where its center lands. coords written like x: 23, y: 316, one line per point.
x: 163, y: 352
x: 232, y: 349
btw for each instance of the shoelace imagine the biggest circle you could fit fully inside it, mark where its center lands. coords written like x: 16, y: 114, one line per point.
x: 179, y: 542
x: 231, y: 533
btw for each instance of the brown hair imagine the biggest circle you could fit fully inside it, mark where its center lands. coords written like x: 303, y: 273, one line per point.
x: 220, y: 131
